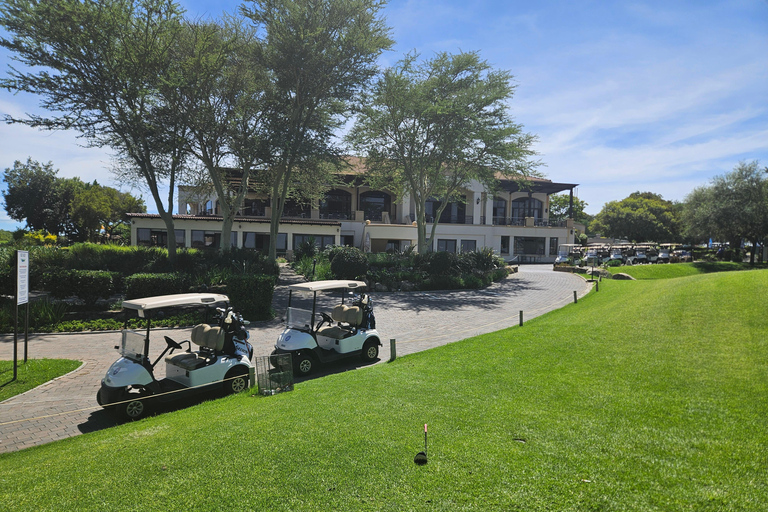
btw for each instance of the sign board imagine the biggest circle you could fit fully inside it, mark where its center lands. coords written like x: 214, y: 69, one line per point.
x: 22, y: 277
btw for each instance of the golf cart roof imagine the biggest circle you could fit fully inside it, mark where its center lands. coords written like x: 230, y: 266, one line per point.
x: 180, y: 299
x: 335, y: 284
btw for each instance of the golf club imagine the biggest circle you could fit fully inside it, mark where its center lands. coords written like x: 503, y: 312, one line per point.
x: 421, y: 457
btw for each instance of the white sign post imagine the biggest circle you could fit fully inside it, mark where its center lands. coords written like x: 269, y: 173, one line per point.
x: 22, y: 277
x: 22, y: 297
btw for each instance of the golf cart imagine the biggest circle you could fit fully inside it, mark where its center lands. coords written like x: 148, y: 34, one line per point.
x: 221, y: 360
x: 568, y: 254
x: 350, y: 330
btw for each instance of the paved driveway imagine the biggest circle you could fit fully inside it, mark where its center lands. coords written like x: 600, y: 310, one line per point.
x: 67, y: 406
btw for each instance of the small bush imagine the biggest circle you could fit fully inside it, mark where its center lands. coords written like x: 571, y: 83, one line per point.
x: 306, y: 249
x: 349, y: 263
x: 613, y: 263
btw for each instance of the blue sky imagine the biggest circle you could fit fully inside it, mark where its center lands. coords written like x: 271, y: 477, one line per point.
x: 624, y: 96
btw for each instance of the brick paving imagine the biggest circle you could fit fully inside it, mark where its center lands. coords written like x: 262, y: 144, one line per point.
x: 67, y: 407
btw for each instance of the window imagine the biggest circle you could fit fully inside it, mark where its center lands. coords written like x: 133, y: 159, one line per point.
x: 348, y: 240
x: 499, y: 211
x: 553, y: 246
x: 294, y: 208
x: 529, y: 245
x: 446, y: 245
x: 468, y: 245
x: 504, y: 245
x: 454, y: 212
x: 157, y: 237
x: 255, y: 207
x: 336, y: 205
x: 320, y: 240
x: 373, y: 203
x: 260, y: 241
x: 202, y: 239
x: 392, y: 246
x: 526, y: 207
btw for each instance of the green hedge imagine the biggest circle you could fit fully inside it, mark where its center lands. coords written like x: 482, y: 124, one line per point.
x: 150, y: 285
x: 89, y: 285
x: 251, y: 295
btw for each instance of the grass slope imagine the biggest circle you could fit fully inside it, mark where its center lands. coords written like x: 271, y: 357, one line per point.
x: 648, y: 395
x: 672, y: 270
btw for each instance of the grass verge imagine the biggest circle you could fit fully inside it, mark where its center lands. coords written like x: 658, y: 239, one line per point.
x: 31, y: 374
x: 648, y: 395
x: 673, y: 270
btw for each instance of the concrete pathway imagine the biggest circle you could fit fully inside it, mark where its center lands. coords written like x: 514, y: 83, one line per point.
x: 67, y: 406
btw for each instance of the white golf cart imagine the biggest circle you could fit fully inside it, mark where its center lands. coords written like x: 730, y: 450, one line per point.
x: 221, y: 361
x: 350, y: 330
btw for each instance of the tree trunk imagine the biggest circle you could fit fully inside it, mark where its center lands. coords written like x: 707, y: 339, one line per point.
x: 171, y: 243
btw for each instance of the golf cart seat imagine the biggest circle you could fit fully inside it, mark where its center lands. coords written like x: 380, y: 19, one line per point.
x: 209, y: 339
x: 351, y: 316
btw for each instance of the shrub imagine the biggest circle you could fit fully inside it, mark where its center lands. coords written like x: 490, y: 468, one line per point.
x: 149, y: 285
x: 613, y: 263
x: 443, y: 282
x: 349, y: 263
x: 438, y: 263
x: 252, y: 295
x: 483, y: 260
x: 306, y: 249
x: 91, y: 285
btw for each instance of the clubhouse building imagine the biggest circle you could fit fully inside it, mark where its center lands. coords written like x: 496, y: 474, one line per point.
x: 513, y: 221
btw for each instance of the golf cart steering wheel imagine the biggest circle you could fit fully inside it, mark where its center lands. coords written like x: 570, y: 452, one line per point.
x: 172, y: 344
x: 326, y: 318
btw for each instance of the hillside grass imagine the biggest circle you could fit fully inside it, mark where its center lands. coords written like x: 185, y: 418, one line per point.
x: 673, y: 270
x: 647, y: 395
x: 31, y: 374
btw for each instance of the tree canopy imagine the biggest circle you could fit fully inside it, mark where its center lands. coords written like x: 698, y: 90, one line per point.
x: 100, y: 67
x: 734, y: 207
x: 429, y: 129
x: 641, y: 217
x: 36, y: 195
x: 319, y: 54
x: 560, y: 205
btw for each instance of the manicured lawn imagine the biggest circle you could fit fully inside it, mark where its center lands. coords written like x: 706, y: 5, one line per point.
x: 31, y: 374
x: 672, y: 270
x: 647, y: 395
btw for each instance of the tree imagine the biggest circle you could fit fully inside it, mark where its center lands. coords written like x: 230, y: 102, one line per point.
x: 100, y: 67
x: 222, y: 98
x: 733, y: 208
x: 641, y: 217
x: 319, y: 55
x: 37, y: 196
x: 429, y: 130
x: 560, y: 206
x: 95, y: 207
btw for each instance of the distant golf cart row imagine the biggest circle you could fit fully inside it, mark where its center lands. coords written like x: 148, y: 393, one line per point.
x: 621, y: 254
x: 222, y: 358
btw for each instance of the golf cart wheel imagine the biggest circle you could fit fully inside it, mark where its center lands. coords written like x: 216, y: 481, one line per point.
x: 133, y: 406
x: 370, y: 350
x: 236, y: 380
x: 303, y: 364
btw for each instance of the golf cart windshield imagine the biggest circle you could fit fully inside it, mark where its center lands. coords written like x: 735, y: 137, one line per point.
x: 299, y: 318
x: 132, y: 346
